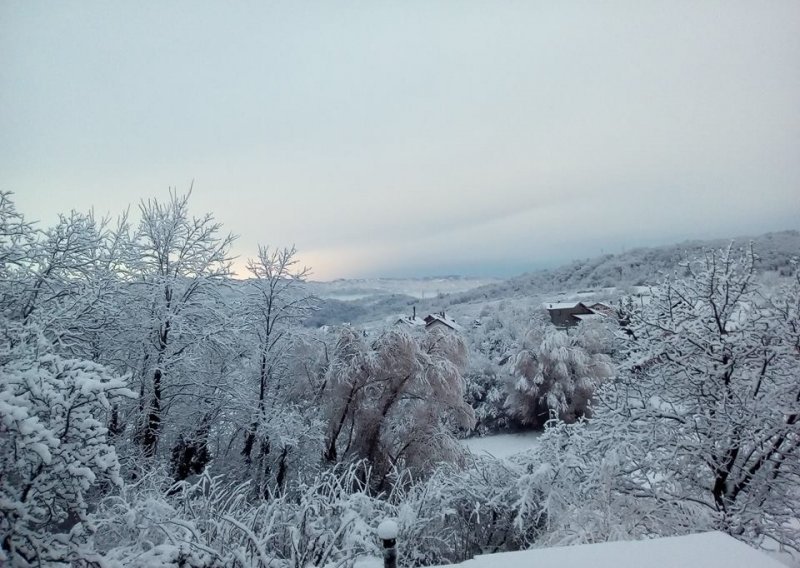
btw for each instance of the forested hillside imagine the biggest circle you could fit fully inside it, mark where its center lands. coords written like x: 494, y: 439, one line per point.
x: 606, y: 276
x: 638, y: 267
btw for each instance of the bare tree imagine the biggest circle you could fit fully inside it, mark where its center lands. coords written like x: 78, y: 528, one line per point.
x: 176, y: 258
x: 276, y: 301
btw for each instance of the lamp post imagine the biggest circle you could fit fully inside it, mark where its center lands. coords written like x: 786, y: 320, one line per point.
x: 387, y: 532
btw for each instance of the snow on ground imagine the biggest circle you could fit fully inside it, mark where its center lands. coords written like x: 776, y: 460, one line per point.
x: 790, y: 558
x: 502, y: 446
x: 704, y: 550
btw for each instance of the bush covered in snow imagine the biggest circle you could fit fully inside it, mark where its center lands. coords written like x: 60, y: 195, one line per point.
x: 54, y: 448
x: 331, y: 519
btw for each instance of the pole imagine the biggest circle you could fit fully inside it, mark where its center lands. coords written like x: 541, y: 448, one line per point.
x: 387, y: 532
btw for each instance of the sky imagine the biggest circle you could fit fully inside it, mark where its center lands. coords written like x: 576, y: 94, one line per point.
x: 411, y: 138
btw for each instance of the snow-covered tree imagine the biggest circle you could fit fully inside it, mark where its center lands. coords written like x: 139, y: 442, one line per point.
x: 275, y: 302
x: 177, y: 264
x: 557, y: 373
x: 16, y: 239
x: 701, y: 428
x: 493, y: 342
x: 397, y: 400
x: 715, y: 370
x: 53, y: 447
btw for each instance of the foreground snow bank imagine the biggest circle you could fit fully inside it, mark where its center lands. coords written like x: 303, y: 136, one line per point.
x: 704, y: 550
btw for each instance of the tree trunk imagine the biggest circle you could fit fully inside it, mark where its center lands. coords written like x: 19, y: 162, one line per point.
x: 280, y: 479
x: 153, y: 424
x: 250, y: 435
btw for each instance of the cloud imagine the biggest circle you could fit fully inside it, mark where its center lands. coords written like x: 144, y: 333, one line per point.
x: 385, y: 138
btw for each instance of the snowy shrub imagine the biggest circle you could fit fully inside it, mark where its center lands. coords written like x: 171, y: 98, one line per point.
x: 331, y: 520
x: 594, y: 484
x: 557, y: 373
x: 461, y: 512
x: 486, y: 393
x: 53, y: 448
x: 396, y: 401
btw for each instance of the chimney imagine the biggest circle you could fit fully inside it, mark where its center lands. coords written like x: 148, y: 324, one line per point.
x: 414, y: 316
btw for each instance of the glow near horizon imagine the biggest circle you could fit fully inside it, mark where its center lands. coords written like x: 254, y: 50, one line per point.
x: 412, y: 138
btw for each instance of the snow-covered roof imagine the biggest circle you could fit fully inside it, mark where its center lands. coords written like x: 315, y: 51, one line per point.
x: 584, y: 317
x: 442, y: 318
x: 408, y: 320
x: 560, y: 305
x: 388, y: 529
x: 704, y: 550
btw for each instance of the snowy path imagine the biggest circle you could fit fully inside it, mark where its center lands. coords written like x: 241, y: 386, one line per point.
x: 502, y: 446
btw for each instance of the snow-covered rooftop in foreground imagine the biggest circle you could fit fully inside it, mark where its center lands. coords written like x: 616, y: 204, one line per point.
x: 704, y: 550
x: 442, y: 318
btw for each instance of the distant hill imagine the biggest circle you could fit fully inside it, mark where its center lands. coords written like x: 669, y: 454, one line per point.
x: 374, y: 288
x: 367, y: 299
x: 636, y: 267
x: 357, y: 301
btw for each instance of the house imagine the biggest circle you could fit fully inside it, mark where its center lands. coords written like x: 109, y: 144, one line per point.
x: 570, y: 314
x: 412, y: 321
x: 589, y: 317
x: 602, y: 308
x: 440, y: 319
x: 565, y: 314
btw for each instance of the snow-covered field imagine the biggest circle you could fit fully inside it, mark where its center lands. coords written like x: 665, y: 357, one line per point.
x: 502, y: 445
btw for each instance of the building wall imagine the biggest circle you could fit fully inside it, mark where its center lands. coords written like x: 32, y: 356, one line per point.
x: 563, y: 317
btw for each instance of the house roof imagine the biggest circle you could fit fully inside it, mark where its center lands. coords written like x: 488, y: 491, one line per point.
x: 584, y: 317
x: 562, y: 305
x: 443, y: 319
x: 408, y: 320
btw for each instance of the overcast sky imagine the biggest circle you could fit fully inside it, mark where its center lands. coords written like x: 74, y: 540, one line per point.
x: 412, y: 138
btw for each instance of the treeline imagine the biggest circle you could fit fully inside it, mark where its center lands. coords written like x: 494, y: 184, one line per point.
x: 637, y: 267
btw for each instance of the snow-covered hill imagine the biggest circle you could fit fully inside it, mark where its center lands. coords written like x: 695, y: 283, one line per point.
x: 636, y: 267
x: 603, y: 278
x: 420, y: 288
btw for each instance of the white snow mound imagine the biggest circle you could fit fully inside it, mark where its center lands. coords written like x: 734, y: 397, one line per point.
x: 704, y: 550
